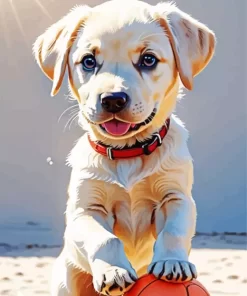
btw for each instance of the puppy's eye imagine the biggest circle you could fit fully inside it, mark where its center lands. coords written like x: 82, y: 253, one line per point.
x: 148, y: 61
x: 88, y: 63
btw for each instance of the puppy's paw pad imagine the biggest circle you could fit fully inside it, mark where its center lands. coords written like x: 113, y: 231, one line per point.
x: 115, y: 281
x: 173, y: 270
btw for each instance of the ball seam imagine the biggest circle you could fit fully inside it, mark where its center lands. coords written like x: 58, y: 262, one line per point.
x: 147, y: 286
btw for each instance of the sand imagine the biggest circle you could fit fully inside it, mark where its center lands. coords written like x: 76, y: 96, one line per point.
x: 221, y: 262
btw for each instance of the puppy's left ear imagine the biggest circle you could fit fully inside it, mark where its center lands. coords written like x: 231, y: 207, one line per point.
x: 51, y: 49
x: 192, y: 42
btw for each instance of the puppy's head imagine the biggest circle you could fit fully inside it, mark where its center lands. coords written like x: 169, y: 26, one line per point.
x: 125, y: 60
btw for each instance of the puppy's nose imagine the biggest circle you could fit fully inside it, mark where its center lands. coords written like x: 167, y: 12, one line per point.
x: 114, y: 102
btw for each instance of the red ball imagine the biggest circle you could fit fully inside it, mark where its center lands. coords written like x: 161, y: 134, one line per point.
x: 149, y: 285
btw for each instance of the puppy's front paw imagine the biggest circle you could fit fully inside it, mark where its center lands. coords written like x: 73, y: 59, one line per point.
x: 173, y: 270
x: 115, y: 281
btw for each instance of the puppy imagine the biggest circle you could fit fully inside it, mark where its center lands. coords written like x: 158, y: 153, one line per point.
x: 130, y: 210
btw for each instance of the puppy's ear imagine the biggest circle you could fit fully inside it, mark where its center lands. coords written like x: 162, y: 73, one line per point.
x: 51, y: 49
x: 192, y: 42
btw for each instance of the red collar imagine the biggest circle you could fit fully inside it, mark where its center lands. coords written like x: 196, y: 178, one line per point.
x: 144, y: 148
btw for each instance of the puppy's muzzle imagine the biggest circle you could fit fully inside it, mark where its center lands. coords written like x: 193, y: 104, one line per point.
x: 114, y: 102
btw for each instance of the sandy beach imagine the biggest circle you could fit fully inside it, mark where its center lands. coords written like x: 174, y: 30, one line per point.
x: 221, y: 262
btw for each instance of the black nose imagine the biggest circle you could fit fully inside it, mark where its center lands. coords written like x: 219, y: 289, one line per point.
x: 114, y: 102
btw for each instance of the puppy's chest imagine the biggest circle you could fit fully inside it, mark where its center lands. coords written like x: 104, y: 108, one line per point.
x: 134, y: 224
x: 131, y: 219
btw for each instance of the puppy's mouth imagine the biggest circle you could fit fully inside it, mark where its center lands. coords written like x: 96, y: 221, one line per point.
x: 116, y: 127
x: 119, y: 128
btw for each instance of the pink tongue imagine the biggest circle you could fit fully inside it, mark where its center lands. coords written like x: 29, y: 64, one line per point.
x: 116, y: 128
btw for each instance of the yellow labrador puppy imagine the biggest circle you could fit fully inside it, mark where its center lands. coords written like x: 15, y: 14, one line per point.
x: 130, y: 210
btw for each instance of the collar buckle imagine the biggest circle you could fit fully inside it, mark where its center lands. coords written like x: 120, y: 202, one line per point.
x: 158, y: 138
x: 109, y: 153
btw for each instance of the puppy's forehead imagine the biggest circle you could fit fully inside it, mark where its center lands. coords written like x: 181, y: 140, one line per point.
x: 126, y: 33
x: 128, y: 20
x: 115, y: 33
x: 110, y: 17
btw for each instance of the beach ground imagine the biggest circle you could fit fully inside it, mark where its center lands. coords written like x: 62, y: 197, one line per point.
x: 221, y: 262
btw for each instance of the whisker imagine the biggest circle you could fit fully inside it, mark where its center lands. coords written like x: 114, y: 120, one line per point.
x: 41, y: 6
x: 73, y: 121
x: 68, y: 122
x: 69, y: 108
x: 73, y: 112
x: 64, y: 129
x: 70, y: 97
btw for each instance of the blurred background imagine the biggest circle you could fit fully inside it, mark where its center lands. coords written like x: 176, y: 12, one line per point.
x: 34, y: 145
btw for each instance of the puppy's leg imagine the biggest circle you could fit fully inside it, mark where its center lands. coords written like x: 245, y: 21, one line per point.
x: 67, y: 280
x: 172, y: 247
x: 84, y: 285
x: 60, y: 273
x: 90, y: 241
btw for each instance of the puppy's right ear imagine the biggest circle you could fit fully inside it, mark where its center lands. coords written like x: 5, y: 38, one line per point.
x: 51, y: 49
